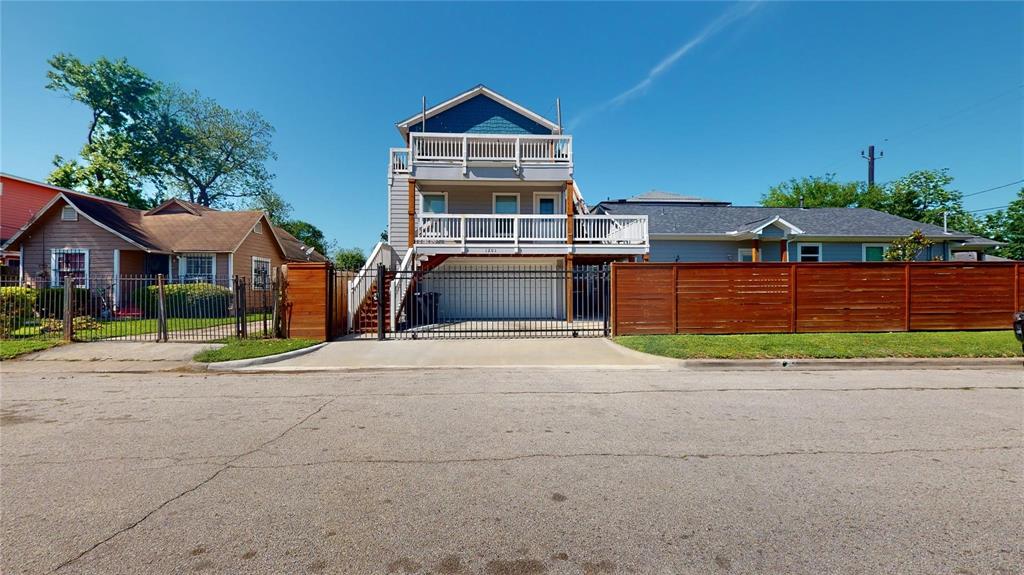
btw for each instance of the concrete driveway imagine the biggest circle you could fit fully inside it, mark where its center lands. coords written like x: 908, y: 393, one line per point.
x: 587, y: 353
x: 508, y: 471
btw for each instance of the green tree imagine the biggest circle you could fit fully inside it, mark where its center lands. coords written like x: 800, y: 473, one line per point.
x: 209, y: 153
x: 907, y: 249
x: 814, y: 192
x: 308, y: 234
x: 350, y: 259
x: 119, y: 152
x: 278, y: 210
x: 924, y: 196
x: 1008, y: 226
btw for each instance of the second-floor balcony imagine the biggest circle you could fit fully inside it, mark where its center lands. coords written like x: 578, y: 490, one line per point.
x: 465, y: 151
x: 527, y: 233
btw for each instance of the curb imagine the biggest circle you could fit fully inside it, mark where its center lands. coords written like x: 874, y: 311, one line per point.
x: 243, y: 363
x: 864, y: 363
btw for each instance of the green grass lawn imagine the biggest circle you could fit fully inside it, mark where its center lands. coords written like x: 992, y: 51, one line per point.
x: 11, y: 348
x: 130, y: 327
x: 828, y: 345
x: 249, y: 348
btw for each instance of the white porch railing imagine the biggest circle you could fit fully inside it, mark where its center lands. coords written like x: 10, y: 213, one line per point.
x: 435, y: 229
x: 606, y: 229
x: 465, y: 148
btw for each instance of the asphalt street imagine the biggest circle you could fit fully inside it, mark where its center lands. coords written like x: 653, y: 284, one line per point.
x: 506, y: 471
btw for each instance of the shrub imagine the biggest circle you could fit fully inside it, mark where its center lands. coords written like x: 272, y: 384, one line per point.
x: 197, y: 300
x: 16, y: 307
x: 50, y: 301
x: 79, y: 323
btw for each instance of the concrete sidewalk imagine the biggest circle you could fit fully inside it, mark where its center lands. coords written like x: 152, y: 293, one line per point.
x: 109, y: 356
x: 353, y: 354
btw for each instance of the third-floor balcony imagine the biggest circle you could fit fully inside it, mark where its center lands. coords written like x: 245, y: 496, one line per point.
x: 440, y: 156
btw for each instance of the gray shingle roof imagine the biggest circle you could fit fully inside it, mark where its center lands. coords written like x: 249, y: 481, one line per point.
x: 679, y: 218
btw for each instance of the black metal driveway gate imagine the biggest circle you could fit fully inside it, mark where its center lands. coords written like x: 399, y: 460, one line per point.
x: 477, y: 301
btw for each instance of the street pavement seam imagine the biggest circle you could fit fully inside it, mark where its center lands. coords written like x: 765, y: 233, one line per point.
x: 672, y: 456
x: 213, y: 476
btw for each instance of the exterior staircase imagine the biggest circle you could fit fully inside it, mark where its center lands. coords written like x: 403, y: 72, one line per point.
x: 366, y: 315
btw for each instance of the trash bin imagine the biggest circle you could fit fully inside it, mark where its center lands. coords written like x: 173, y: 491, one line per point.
x: 426, y: 307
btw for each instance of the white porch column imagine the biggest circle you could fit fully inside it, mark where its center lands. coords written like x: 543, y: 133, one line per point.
x: 117, y: 278
x: 21, y: 264
x: 231, y: 267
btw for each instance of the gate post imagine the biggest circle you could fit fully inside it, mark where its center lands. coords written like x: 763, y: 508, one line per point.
x: 161, y: 310
x: 380, y: 302
x: 606, y: 296
x: 68, y: 312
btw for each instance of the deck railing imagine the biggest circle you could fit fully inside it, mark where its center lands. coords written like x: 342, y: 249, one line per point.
x: 434, y: 229
x: 430, y: 147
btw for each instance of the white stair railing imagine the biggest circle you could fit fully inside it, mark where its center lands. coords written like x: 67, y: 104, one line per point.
x: 359, y: 286
x: 400, y: 285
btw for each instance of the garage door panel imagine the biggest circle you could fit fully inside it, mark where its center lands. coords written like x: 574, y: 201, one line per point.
x: 471, y: 291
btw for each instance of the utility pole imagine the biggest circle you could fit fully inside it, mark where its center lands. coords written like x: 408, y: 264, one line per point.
x: 870, y: 157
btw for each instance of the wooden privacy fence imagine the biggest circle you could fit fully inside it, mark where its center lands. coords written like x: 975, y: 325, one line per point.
x: 651, y: 298
x: 315, y: 297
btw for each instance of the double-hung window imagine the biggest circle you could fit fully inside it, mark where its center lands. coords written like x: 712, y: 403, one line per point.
x: 72, y: 264
x: 745, y: 255
x: 260, y: 273
x: 198, y: 267
x: 809, y: 252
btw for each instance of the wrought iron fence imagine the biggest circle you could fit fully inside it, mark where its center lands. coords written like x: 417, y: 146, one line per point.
x: 140, y: 308
x: 485, y: 301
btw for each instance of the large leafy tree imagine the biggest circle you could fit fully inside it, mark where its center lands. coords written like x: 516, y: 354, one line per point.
x: 813, y: 192
x: 144, y: 135
x: 308, y: 234
x: 1008, y: 226
x: 119, y: 152
x: 926, y: 196
x: 209, y: 153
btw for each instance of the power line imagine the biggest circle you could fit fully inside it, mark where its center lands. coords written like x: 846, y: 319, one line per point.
x: 988, y: 209
x: 993, y: 189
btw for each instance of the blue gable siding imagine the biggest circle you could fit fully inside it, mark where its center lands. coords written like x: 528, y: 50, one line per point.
x: 481, y: 115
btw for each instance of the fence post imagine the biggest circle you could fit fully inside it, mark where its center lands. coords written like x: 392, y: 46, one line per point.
x: 275, y: 296
x: 606, y: 290
x: 69, y: 285
x: 380, y: 302
x: 613, y: 297
x: 161, y: 310
x: 906, y: 296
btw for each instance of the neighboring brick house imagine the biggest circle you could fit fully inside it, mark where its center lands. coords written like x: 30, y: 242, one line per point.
x: 86, y: 236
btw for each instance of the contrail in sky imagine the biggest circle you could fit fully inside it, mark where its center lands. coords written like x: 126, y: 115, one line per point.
x: 736, y: 12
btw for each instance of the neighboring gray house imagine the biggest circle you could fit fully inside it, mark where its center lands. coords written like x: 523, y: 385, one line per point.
x: 692, y: 229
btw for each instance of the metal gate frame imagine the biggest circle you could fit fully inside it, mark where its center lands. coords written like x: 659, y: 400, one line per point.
x: 445, y: 304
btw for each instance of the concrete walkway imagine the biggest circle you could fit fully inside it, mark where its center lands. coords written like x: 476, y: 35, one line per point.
x: 109, y: 356
x: 350, y: 354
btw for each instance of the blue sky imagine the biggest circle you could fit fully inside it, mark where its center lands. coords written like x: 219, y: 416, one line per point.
x: 714, y: 99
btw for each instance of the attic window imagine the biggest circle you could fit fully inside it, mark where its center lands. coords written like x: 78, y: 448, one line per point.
x: 257, y: 229
x: 68, y: 214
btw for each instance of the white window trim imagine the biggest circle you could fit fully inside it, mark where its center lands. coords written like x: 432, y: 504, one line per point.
x: 55, y: 273
x: 252, y: 272
x: 800, y: 250
x: 538, y: 196
x: 494, y: 202
x: 183, y: 265
x: 739, y: 254
x: 419, y: 198
x: 864, y: 250
x: 64, y: 210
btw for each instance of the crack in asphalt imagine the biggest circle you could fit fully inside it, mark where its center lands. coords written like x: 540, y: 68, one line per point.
x: 213, y: 476
x: 671, y: 456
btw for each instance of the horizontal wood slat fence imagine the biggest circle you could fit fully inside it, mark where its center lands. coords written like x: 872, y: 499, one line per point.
x: 719, y: 298
x: 315, y: 300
